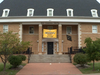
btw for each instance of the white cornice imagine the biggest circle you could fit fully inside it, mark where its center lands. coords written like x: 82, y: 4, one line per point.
x: 51, y: 19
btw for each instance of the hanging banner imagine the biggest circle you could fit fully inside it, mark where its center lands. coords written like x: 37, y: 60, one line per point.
x: 49, y: 33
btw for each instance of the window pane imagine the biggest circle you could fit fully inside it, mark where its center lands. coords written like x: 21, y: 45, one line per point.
x: 69, y: 13
x: 30, y: 13
x: 69, y: 30
x: 50, y: 12
x: 5, y: 28
x: 6, y: 13
x: 94, y: 29
x: 31, y: 30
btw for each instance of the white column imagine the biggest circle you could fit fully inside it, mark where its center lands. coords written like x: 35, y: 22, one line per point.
x: 79, y: 36
x: 20, y: 32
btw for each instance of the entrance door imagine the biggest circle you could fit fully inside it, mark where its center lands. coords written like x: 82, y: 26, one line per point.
x: 50, y: 47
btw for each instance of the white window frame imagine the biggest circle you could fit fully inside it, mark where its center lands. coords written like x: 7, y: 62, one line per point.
x: 94, y: 13
x: 48, y: 11
x: 71, y: 10
x: 33, y: 30
x: 94, y: 28
x: 28, y: 12
x: 4, y: 12
x: 66, y: 29
x: 5, y: 29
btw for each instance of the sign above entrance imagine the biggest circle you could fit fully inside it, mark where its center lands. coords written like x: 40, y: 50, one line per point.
x: 49, y: 33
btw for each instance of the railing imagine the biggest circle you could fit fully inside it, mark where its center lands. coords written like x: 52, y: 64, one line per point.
x: 74, y: 50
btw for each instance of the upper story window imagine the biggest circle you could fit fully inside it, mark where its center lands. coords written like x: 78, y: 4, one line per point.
x: 69, y: 12
x: 50, y: 27
x: 94, y: 28
x: 5, y: 28
x: 5, y: 13
x: 94, y: 13
x: 31, y: 30
x: 50, y: 12
x: 30, y: 12
x: 69, y: 30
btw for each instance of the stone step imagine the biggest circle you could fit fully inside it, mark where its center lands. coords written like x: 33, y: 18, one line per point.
x: 49, y: 59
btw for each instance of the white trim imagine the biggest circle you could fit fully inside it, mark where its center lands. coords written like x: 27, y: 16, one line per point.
x: 96, y: 29
x: 72, y: 20
x: 4, y: 10
x: 48, y: 11
x: 79, y: 36
x: 94, y: 13
x: 28, y: 11
x: 69, y: 15
x: 20, y: 32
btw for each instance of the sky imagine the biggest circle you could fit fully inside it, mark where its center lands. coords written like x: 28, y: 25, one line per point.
x: 2, y: 0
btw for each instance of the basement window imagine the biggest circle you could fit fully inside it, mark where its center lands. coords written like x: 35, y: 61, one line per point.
x: 69, y: 12
x: 94, y: 28
x: 5, y: 13
x: 94, y: 13
x: 31, y: 30
x: 30, y: 12
x: 5, y: 28
x: 50, y: 12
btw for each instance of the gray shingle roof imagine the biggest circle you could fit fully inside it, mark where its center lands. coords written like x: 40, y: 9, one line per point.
x: 80, y: 7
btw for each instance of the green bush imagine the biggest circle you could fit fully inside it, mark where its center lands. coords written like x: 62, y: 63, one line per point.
x: 80, y: 58
x: 23, y: 57
x: 15, y: 61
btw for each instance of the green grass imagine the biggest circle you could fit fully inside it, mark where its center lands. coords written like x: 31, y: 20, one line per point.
x: 8, y: 71
x: 90, y: 69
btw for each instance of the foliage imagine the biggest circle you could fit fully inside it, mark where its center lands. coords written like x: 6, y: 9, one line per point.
x: 9, y: 44
x: 80, y: 58
x: 92, y: 49
x: 23, y: 57
x: 15, y: 60
x: 88, y: 70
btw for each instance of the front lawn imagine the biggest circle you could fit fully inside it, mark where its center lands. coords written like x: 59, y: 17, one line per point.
x: 8, y: 71
x: 90, y: 69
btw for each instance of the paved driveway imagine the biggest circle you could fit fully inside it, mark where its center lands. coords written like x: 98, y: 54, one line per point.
x: 49, y: 69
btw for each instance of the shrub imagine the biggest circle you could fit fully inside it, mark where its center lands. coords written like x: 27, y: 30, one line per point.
x: 80, y: 58
x: 23, y: 57
x: 15, y: 61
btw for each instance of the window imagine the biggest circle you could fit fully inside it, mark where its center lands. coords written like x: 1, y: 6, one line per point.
x: 5, y: 13
x: 30, y: 12
x: 31, y: 30
x: 69, y: 12
x: 94, y: 29
x: 69, y: 30
x: 5, y: 28
x: 50, y: 12
x: 94, y: 13
x: 50, y: 27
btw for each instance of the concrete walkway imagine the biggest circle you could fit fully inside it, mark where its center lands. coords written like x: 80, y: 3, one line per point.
x: 49, y: 69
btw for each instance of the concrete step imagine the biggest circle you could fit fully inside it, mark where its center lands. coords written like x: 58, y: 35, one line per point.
x: 49, y: 59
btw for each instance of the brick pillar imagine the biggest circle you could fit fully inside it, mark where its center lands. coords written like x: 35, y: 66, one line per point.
x: 40, y: 39
x: 60, y: 38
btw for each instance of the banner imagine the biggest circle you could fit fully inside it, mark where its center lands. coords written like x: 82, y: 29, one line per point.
x: 52, y: 33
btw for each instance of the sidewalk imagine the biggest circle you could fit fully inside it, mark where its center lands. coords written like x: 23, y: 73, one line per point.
x: 49, y: 69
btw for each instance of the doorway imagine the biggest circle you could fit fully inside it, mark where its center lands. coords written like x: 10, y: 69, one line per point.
x: 50, y: 48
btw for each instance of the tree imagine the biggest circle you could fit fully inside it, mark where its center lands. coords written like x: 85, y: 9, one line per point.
x: 10, y: 43
x: 93, y: 50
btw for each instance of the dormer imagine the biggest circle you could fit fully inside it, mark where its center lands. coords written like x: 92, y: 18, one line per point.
x: 5, y: 12
x: 50, y: 11
x: 30, y: 12
x: 94, y: 13
x: 69, y: 12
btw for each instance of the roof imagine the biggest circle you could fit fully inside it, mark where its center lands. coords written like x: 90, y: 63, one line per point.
x: 80, y: 7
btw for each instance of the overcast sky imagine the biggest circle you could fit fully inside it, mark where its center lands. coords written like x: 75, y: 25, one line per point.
x: 2, y: 0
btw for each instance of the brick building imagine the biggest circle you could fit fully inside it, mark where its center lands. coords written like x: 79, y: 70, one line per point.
x: 74, y: 20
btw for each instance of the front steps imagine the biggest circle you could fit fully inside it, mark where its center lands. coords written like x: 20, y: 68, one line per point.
x: 49, y: 59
